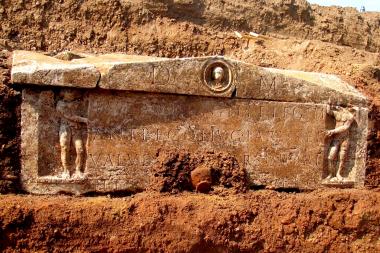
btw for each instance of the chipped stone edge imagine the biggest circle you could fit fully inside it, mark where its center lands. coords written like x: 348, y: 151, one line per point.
x: 34, y: 72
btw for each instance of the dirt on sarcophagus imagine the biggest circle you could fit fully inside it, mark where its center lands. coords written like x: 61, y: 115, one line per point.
x: 176, y: 171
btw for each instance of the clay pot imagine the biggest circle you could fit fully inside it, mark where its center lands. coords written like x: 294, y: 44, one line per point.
x: 201, y: 179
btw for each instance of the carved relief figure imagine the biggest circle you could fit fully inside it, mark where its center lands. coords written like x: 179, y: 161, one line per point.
x: 71, y: 131
x: 217, y: 76
x: 339, y: 136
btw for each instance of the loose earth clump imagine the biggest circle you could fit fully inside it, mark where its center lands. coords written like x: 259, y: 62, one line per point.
x: 177, y: 171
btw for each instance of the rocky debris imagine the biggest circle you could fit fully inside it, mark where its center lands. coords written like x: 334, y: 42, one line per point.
x: 68, y: 56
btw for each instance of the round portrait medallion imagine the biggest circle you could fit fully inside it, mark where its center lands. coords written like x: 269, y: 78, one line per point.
x: 217, y: 75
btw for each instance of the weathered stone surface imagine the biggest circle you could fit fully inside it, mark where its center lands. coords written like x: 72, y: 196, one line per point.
x: 188, y: 76
x: 39, y: 69
x: 296, y: 86
x: 286, y: 128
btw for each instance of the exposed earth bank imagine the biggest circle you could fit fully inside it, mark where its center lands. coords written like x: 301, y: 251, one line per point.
x: 267, y: 221
x: 297, y: 36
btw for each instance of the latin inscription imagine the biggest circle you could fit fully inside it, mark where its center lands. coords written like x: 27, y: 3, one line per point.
x: 266, y: 137
x: 159, y: 76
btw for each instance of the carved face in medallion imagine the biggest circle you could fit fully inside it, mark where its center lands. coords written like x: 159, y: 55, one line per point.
x: 218, y: 75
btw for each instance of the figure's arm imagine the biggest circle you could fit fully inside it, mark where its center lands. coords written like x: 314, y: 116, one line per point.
x: 74, y: 118
x: 341, y: 129
x: 79, y: 119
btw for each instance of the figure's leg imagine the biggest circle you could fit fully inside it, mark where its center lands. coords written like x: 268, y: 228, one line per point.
x: 332, y: 159
x: 343, y: 154
x: 64, y: 141
x: 79, y: 149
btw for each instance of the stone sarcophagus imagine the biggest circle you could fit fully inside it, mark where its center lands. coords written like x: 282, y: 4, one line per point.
x: 95, y: 123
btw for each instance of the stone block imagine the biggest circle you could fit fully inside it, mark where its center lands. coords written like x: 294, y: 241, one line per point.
x: 287, y: 129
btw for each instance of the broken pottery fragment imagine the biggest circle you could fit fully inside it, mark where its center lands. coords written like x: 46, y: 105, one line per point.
x: 95, y: 123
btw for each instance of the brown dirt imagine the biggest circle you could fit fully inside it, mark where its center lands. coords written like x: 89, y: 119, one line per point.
x: 9, y: 132
x: 119, y: 25
x: 266, y: 221
x: 172, y: 171
x: 301, y: 36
